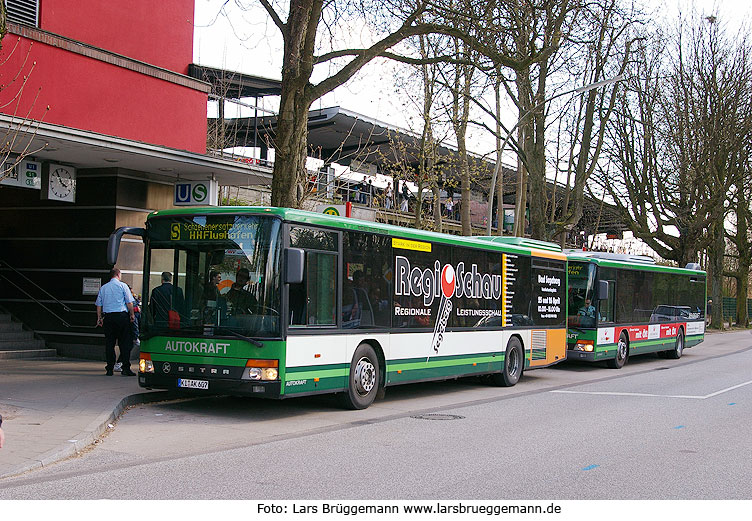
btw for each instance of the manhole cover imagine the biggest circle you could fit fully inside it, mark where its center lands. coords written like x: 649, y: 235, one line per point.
x: 438, y: 417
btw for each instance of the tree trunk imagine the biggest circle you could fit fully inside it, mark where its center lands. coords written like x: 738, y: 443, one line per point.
x: 520, y: 203
x: 464, y: 189
x: 500, y: 179
x: 436, y: 205
x: 291, y: 134
x: 716, y: 252
x: 742, y: 293
x: 538, y: 189
x: 290, y: 149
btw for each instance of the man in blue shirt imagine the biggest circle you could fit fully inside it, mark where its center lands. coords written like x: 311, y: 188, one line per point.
x: 114, y: 307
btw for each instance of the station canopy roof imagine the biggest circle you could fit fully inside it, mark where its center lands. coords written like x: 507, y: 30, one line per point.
x: 85, y: 149
x: 235, y: 85
x: 338, y: 135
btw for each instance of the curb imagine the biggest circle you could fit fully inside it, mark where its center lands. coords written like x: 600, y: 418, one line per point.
x: 92, y: 431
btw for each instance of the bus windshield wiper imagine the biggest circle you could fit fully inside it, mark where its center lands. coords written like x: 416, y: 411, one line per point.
x: 253, y: 341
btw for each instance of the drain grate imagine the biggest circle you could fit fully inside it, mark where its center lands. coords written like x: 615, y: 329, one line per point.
x: 438, y: 417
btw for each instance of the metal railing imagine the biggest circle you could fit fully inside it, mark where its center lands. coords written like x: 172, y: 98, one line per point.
x: 39, y: 302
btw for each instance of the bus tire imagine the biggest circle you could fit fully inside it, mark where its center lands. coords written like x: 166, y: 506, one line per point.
x: 676, y: 352
x: 622, y: 353
x: 363, y: 381
x: 514, y: 363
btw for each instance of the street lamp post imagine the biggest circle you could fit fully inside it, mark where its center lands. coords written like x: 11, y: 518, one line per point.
x: 498, y: 167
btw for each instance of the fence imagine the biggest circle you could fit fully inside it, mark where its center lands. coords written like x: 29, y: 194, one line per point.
x: 729, y: 307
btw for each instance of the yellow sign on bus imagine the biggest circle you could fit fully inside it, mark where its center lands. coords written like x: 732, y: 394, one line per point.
x: 405, y: 244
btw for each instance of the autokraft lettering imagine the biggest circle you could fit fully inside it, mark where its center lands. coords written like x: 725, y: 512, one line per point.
x: 188, y: 346
x: 293, y: 383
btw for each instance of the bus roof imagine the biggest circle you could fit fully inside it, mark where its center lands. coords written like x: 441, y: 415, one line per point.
x: 510, y: 244
x: 620, y: 260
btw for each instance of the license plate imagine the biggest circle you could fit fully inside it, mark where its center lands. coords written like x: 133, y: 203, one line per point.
x: 193, y: 384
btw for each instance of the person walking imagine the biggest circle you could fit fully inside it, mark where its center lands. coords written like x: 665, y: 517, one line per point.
x: 389, y: 196
x: 115, y: 315
x: 363, y: 187
x: 135, y: 325
x: 405, y: 196
x: 371, y: 193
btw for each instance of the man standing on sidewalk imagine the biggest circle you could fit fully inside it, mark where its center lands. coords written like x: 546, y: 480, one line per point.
x: 114, y: 306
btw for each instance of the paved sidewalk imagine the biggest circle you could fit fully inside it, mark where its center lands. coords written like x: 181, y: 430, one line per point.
x: 54, y: 408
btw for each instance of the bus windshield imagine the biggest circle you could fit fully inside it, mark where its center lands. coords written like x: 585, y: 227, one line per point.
x: 213, y: 275
x: 581, y: 305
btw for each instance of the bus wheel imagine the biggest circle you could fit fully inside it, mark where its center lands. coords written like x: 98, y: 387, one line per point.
x: 514, y: 362
x: 676, y: 352
x: 363, y: 382
x: 622, y: 353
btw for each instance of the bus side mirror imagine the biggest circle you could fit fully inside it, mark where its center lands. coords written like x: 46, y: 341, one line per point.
x: 294, y: 265
x: 113, y: 243
x: 603, y: 290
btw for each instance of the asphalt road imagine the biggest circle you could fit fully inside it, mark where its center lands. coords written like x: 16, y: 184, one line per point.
x: 657, y: 429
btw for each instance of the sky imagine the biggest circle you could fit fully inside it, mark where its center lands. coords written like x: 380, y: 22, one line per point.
x: 247, y: 41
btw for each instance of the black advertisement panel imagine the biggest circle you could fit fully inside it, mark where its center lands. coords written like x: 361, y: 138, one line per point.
x: 549, y: 292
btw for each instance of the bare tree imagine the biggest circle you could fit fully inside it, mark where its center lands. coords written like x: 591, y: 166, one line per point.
x: 16, y: 140
x: 678, y: 138
x: 537, y: 28
x: 391, y: 22
x: 601, y: 52
x: 739, y: 236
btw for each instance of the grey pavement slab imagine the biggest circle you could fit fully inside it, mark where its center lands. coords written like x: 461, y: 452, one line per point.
x: 54, y: 408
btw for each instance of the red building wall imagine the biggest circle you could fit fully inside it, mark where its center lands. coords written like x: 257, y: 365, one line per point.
x: 159, y: 32
x: 77, y: 91
x: 72, y: 78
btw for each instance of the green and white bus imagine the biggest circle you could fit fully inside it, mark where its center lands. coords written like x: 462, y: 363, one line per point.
x: 624, y: 305
x: 279, y: 303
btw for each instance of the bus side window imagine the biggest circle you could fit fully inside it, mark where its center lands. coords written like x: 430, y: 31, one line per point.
x: 606, y: 307
x: 314, y: 302
x: 366, y: 282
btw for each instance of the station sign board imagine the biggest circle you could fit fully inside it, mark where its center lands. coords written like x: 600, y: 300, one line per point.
x: 26, y: 174
x: 196, y: 193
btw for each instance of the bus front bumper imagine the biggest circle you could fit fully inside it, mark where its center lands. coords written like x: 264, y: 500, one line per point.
x: 585, y: 356
x: 207, y: 386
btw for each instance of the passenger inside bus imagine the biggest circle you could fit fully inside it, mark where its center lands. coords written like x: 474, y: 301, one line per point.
x: 587, y: 310
x: 240, y: 300
x: 356, y: 304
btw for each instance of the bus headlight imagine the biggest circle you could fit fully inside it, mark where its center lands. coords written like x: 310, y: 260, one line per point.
x: 263, y: 369
x: 584, y: 345
x: 145, y: 366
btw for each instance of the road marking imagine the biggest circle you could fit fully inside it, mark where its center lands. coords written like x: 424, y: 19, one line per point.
x: 679, y: 427
x: 590, y: 467
x: 688, y: 397
x: 604, y: 393
x: 728, y: 389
